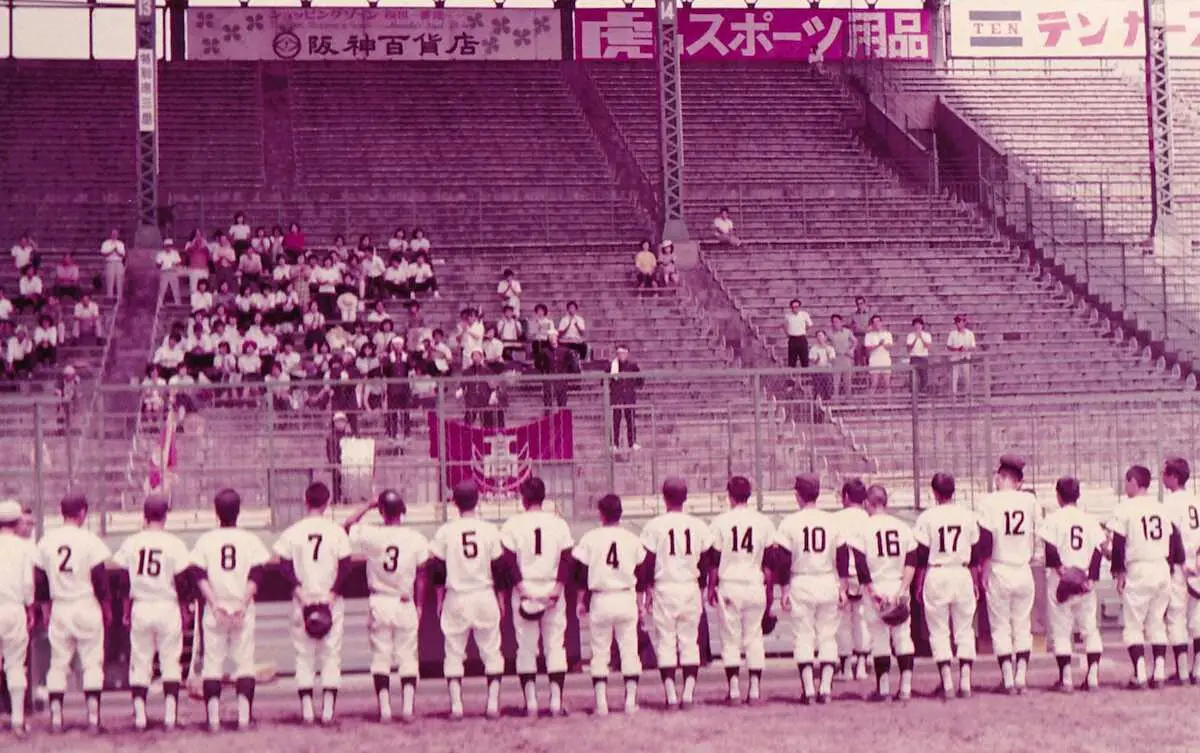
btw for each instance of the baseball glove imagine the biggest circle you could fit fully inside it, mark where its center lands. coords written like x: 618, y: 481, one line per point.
x: 1072, y: 581
x: 318, y: 620
x: 769, y: 621
x: 531, y: 608
x: 894, y: 613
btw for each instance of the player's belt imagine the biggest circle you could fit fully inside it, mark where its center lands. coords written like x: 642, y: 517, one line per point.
x: 949, y: 564
x: 403, y: 598
x: 470, y: 590
x: 611, y: 590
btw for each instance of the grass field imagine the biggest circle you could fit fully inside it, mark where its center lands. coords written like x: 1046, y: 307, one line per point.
x: 1112, y: 719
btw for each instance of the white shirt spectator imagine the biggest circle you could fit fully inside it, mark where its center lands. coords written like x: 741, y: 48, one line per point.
x: 327, y: 279
x: 509, y: 330
x: 378, y: 317
x: 397, y: 274
x: 375, y: 266
x: 202, y: 301
x: 348, y: 306
x: 798, y: 323
x: 723, y: 225
x: 421, y: 272
x: 397, y: 245
x: 879, y: 356
x: 224, y: 255
x: 249, y: 364
x: 240, y: 232
x: 542, y: 328
x: 960, y: 344
x: 45, y: 336
x: 572, y: 328
x: 85, y: 312
x: 918, y: 344
x: 821, y: 355
x: 168, y: 259
x: 417, y: 245
x: 282, y: 273
x: 18, y: 348
x: 493, y: 349
x: 472, y: 340
x: 30, y: 286
x: 511, y: 291
x: 111, y: 250
x: 22, y: 255
x: 169, y: 355
x: 6, y: 309
x: 313, y: 320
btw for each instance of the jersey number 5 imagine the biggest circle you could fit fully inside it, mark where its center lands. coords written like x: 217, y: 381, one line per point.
x: 469, y: 546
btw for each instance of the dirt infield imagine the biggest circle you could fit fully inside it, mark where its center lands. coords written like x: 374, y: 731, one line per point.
x: 1112, y: 719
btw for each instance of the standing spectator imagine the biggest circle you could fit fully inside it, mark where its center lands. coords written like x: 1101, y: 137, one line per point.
x: 423, y: 277
x: 113, y: 253
x: 509, y: 291
x: 24, y: 252
x: 961, y: 344
x: 878, y: 343
x: 623, y: 391
x: 32, y: 293
x: 511, y: 332
x: 668, y: 276
x: 293, y: 242
x: 860, y: 322
x: 239, y: 232
x: 796, y: 324
x: 845, y: 345
x: 168, y: 261
x: 560, y: 360
x: 821, y: 357
x: 723, y: 229
x: 572, y: 331
x: 224, y: 260
x: 918, y: 342
x: 645, y: 265
x: 196, y: 253
x: 481, y: 398
x: 66, y: 278
x: 261, y: 243
x: 87, y: 319
x: 398, y: 394
x: 274, y: 250
x: 541, y: 329
x: 250, y: 266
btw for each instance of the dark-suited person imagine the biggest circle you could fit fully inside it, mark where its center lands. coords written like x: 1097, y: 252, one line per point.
x: 481, y: 394
x: 560, y: 360
x: 397, y: 421
x: 623, y: 392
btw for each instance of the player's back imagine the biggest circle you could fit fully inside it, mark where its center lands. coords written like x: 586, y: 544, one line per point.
x: 467, y: 546
x: 741, y: 535
x: 393, y: 554
x: 18, y: 558
x: 314, y: 545
x: 538, y: 539
x: 153, y: 559
x: 611, y: 555
x: 1184, y: 507
x: 1011, y: 517
x: 886, y: 542
x: 812, y: 536
x: 949, y: 531
x: 1074, y: 534
x: 68, y: 555
x: 1146, y: 526
x: 227, y: 556
x: 676, y: 539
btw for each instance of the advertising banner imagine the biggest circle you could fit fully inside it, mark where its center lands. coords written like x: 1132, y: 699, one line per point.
x: 802, y: 34
x: 373, y: 34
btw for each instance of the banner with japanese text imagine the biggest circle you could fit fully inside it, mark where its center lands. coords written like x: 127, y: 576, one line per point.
x: 373, y: 34
x: 1066, y: 29
x: 499, y: 459
x: 803, y: 34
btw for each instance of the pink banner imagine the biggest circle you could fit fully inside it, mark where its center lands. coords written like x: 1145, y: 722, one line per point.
x: 802, y: 34
x: 499, y: 459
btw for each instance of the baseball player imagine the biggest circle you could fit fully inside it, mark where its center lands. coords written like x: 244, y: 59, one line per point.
x: 1183, y: 613
x: 541, y: 542
x: 1147, y: 554
x: 610, y: 573
x: 314, y: 555
x: 816, y: 558
x: 885, y: 557
x: 1007, y: 518
x: 741, y: 587
x: 467, y: 569
x: 155, y: 565
x: 396, y: 557
x: 853, y: 638
x: 946, y: 536
x: 73, y: 561
x: 674, y: 543
x: 18, y: 558
x: 227, y: 567
x: 1074, y: 539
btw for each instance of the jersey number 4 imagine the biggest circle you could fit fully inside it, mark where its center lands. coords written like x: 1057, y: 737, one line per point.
x: 611, y: 560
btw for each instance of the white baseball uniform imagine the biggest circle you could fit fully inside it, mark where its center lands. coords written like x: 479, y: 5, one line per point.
x: 1010, y: 517
x: 1146, y: 527
x: 741, y: 535
x: 393, y: 554
x: 948, y: 594
x: 68, y: 555
x: 539, y: 538
x: 887, y: 543
x: 153, y: 559
x: 812, y: 537
x: 612, y: 555
x: 226, y: 558
x: 854, y: 635
x: 316, y: 547
x: 468, y: 546
x: 1076, y: 538
x: 18, y: 558
x: 1183, y: 613
x: 676, y: 540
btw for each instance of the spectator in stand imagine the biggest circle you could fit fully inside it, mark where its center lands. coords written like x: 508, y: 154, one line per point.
x: 324, y: 282
x: 249, y: 366
x: 860, y: 322
x: 168, y: 261
x: 918, y: 343
x: 66, y: 278
x: 479, y: 394
x: 878, y: 343
x: 19, y: 353
x: 845, y: 345
x: 645, y: 265
x: 170, y: 355
x: 419, y: 243
x: 274, y: 251
x: 87, y: 319
x: 32, y: 293
x: 341, y: 428
x: 723, y: 229
x: 239, y: 232
x: 45, y: 342
x: 225, y: 301
x: 250, y: 266
x: 348, y: 306
x: 821, y: 356
x: 378, y: 314
x: 398, y: 395
x: 623, y: 372
x: 470, y: 334
x: 509, y: 291
x: 396, y: 278
x: 201, y: 298
x: 225, y: 365
x: 374, y: 266
x: 53, y: 308
x: 113, y: 253
x: 511, y: 333
x: 224, y: 261
x: 24, y: 252
x: 197, y: 255
x: 560, y: 360
x: 6, y: 307
x: 261, y: 242
x: 423, y: 277
x: 572, y: 331
x: 313, y: 324
x: 668, y: 275
x: 293, y: 242
x: 961, y: 344
x: 541, y: 329
x: 493, y: 350
x: 398, y: 243
x: 795, y: 324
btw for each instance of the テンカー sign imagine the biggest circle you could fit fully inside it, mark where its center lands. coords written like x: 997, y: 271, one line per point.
x: 741, y: 34
x: 1066, y: 29
x: 373, y: 34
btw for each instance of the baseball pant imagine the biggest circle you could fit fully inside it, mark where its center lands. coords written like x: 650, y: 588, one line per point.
x: 742, y: 607
x: 887, y: 639
x: 853, y: 635
x: 1183, y: 614
x: 1144, y: 603
x: 677, y: 610
x: 228, y: 641
x: 155, y: 627
x: 466, y: 614
x: 14, y: 646
x: 392, y: 630
x: 613, y: 615
x: 1076, y: 614
x: 323, y: 654
x: 949, y: 599
x: 815, y: 617
x: 551, y: 628
x: 1010, y: 607
x: 76, y: 627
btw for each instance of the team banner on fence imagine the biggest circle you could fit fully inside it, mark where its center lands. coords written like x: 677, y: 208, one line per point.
x: 1066, y: 29
x: 741, y: 34
x: 373, y: 34
x: 500, y: 459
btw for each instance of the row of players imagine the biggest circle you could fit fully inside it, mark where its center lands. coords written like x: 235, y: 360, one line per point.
x: 819, y: 560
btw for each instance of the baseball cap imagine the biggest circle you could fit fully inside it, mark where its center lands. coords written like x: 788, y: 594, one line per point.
x: 11, y: 511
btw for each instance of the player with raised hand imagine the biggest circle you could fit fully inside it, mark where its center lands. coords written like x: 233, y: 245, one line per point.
x: 813, y: 565
x: 73, y: 561
x: 396, y: 577
x: 154, y: 567
x: 885, y: 557
x: 18, y: 559
x: 610, y: 572
x: 1183, y: 613
x: 853, y: 637
x: 1073, y: 542
x: 946, y: 537
x: 1147, y: 552
x: 314, y: 555
x: 540, y: 541
x: 741, y: 587
x: 227, y: 568
x: 470, y: 572
x: 675, y: 542
x: 1007, y: 518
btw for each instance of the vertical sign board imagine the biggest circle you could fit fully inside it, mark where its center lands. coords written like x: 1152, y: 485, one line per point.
x: 146, y: 67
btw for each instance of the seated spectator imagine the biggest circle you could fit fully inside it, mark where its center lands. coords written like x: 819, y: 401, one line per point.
x: 290, y: 359
x: 170, y: 355
x: 313, y: 324
x: 415, y: 330
x: 285, y: 305
x: 572, y: 331
x: 201, y: 299
x: 397, y: 277
x: 274, y: 251
x: 180, y: 397
x: 225, y: 300
x: 441, y: 350
x: 154, y: 396
x: 250, y: 266
x: 225, y: 364
x: 45, y: 341
x: 423, y: 278
x: 24, y: 253
x: 878, y: 343
x: 197, y: 254
x: 509, y: 291
x: 668, y: 276
x: 239, y: 232
x: 249, y: 364
x: 348, y: 306
x: 261, y: 242
x: 645, y: 264
x: 293, y: 242
x: 324, y: 282
x: 373, y: 268
x: 224, y: 261
x: 66, y: 278
x: 378, y: 314
x: 279, y: 390
x: 18, y: 355
x: 32, y: 293
x: 723, y: 229
x: 340, y: 251
x: 6, y: 307
x: 918, y: 342
x: 821, y: 356
x: 419, y: 243
x: 398, y: 243
x: 54, y: 309
x: 493, y: 350
x: 168, y: 262
x: 87, y: 319
x: 511, y: 333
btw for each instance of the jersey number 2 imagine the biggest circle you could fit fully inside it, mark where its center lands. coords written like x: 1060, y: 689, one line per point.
x: 64, y: 560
